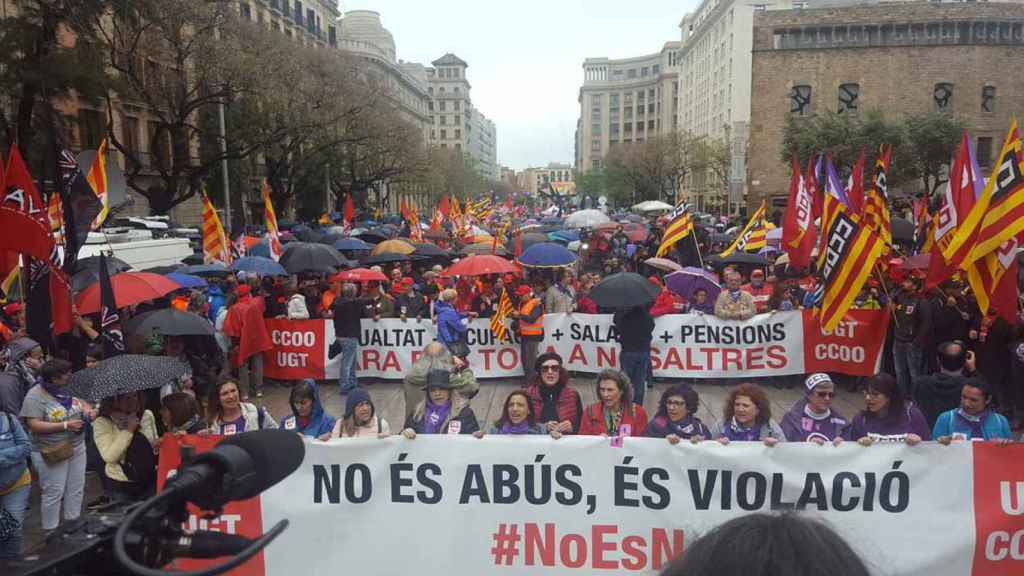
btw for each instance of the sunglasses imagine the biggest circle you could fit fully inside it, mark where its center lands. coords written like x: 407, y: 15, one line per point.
x: 825, y: 394
x: 550, y: 367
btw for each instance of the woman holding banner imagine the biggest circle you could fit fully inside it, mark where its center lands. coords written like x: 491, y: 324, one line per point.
x: 229, y: 415
x: 747, y: 416
x: 557, y: 404
x: 441, y: 411
x: 308, y: 417
x: 361, y: 420
x: 517, y: 417
x: 887, y: 417
x: 615, y: 414
x: 676, y: 418
x: 812, y: 418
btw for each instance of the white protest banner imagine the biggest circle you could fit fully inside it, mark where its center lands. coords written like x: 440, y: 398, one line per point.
x: 684, y: 346
x: 533, y: 505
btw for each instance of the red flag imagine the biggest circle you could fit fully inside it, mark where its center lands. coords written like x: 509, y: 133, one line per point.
x: 519, y: 246
x: 957, y: 201
x: 798, y: 233
x: 856, y: 187
x: 442, y: 207
x: 349, y: 211
x: 404, y: 211
x: 811, y: 182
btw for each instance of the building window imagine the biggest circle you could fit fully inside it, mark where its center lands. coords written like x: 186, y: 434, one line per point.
x: 613, y: 100
x: 631, y: 73
x: 645, y: 71
x: 458, y: 120
x: 458, y: 133
x: 800, y: 100
x: 650, y: 124
x: 443, y: 145
x: 595, y: 128
x: 433, y: 134
x: 444, y: 134
x: 441, y: 90
x: 595, y: 164
x: 130, y: 134
x: 458, y: 146
x: 849, y: 96
x: 656, y: 69
x: 595, y: 145
x: 444, y: 120
x: 457, y: 104
x: 275, y: 26
x: 988, y: 98
x: 444, y: 106
x: 650, y: 93
x: 650, y: 108
x: 245, y: 10
x: 458, y: 90
x: 628, y: 127
x: 943, y: 96
x: 430, y: 105
x: 90, y: 129
x: 629, y: 114
x: 984, y: 151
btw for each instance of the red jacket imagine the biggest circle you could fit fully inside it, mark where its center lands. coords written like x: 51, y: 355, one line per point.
x: 593, y: 423
x: 245, y: 323
x: 761, y: 295
x: 568, y: 405
x: 586, y: 305
x: 667, y: 302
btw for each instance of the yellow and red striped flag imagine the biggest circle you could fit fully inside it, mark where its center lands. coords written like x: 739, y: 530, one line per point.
x: 504, y: 311
x: 680, y: 226
x: 271, y: 223
x: 215, y: 241
x: 876, y: 205
x: 415, y: 233
x: 754, y: 236
x: 852, y: 249
x: 97, y: 179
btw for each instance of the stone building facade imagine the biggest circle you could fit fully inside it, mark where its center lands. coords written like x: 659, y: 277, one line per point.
x: 899, y: 58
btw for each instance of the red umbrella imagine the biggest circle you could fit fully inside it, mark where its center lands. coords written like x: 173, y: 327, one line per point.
x: 917, y: 262
x: 129, y: 288
x: 480, y: 265
x: 359, y: 275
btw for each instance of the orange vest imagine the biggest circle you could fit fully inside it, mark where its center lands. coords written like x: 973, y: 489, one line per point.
x: 530, y: 328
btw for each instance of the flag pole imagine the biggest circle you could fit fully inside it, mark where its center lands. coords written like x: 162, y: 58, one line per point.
x: 888, y: 295
x: 697, y: 246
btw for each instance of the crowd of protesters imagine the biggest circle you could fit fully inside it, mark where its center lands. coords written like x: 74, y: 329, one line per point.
x: 954, y: 375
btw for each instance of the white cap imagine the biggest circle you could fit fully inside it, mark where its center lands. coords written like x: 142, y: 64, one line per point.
x: 816, y: 379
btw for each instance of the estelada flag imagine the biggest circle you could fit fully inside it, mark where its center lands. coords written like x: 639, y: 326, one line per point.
x: 798, y: 232
x: 1000, y: 208
x: 97, y: 179
x: 215, y: 241
x: 271, y: 223
x: 680, y: 226
x: 876, y: 205
x: 851, y: 251
x: 754, y: 236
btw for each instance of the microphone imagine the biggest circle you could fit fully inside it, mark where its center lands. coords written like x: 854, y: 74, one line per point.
x: 206, y: 544
x: 239, y: 468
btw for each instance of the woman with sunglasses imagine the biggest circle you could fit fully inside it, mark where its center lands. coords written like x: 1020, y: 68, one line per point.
x: 886, y: 416
x: 813, y: 419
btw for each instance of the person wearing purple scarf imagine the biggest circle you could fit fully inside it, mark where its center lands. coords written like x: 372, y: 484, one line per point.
x: 812, y: 418
x: 887, y: 417
x: 517, y: 417
x: 973, y: 420
x: 676, y: 419
x: 442, y: 411
x: 747, y: 417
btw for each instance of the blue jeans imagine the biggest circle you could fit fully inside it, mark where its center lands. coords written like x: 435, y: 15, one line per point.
x: 347, y: 373
x: 16, y: 503
x: 636, y: 365
x: 908, y: 360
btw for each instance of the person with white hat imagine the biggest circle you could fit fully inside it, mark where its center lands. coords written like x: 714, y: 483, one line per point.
x: 812, y: 418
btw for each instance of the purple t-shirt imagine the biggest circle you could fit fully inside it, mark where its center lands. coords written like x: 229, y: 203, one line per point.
x: 233, y: 427
x: 889, y: 429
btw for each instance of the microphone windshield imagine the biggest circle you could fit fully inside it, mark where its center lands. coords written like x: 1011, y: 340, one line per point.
x: 275, y: 454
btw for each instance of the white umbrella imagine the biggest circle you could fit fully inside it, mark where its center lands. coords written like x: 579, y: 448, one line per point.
x: 586, y: 219
x: 652, y: 206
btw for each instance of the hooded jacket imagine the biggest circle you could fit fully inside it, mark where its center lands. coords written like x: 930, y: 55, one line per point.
x: 450, y: 324
x: 16, y: 381
x: 215, y: 299
x: 460, y: 412
x: 372, y: 429
x: 937, y: 393
x: 320, y: 422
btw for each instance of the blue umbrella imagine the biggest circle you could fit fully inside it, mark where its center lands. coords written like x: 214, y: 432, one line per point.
x: 261, y: 250
x: 215, y: 269
x: 565, y: 235
x: 546, y: 255
x: 354, y: 244
x: 258, y: 265
x: 186, y: 280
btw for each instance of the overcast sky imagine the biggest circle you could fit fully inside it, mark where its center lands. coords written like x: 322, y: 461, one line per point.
x: 526, y: 57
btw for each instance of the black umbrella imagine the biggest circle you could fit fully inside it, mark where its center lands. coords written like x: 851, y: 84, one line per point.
x: 300, y: 257
x: 624, y: 290
x: 169, y: 322
x: 739, y: 257
x: 164, y: 270
x: 205, y: 270
x: 428, y: 250
x: 902, y: 229
x: 330, y: 239
x: 88, y: 276
x: 123, y: 374
x: 114, y: 264
x: 383, y: 259
x: 375, y: 236
x: 193, y: 260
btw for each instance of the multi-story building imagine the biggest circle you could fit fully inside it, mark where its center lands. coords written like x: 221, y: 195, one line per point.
x: 714, y: 95
x: 900, y: 59
x: 625, y: 101
x: 481, y: 141
x: 551, y: 179
x: 311, y: 22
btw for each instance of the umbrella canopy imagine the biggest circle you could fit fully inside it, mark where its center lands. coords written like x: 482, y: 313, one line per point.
x: 359, y: 275
x: 690, y: 279
x: 123, y: 374
x: 427, y: 250
x: 436, y: 234
x: 193, y: 260
x: 114, y: 264
x: 129, y: 288
x: 300, y: 257
x: 374, y: 236
x: 663, y: 264
x: 330, y: 239
x: 187, y: 280
x: 652, y: 206
x: 529, y: 239
x: 739, y: 258
x: 481, y: 265
x: 352, y: 245
x: 547, y: 255
x: 624, y: 290
x: 564, y: 235
x: 88, y: 276
x: 383, y: 259
x: 164, y: 270
x: 917, y: 262
x: 484, y: 248
x: 169, y: 322
x: 633, y: 218
x: 215, y: 269
x: 586, y: 219
x: 258, y: 265
x: 395, y: 246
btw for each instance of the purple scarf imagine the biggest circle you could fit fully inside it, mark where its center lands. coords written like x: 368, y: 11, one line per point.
x: 510, y: 428
x: 975, y: 423
x: 58, y: 393
x: 735, y: 431
x: 434, y: 416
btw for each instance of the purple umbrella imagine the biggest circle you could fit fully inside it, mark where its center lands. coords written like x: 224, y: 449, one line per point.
x: 688, y: 280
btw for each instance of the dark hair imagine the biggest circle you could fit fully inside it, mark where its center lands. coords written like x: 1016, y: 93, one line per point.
x: 623, y: 383
x: 53, y: 368
x: 213, y: 402
x: 531, y: 418
x: 182, y: 406
x: 980, y: 384
x: 756, y: 395
x: 301, y: 391
x: 886, y: 384
x: 107, y: 405
x: 952, y: 362
x: 684, y: 391
x: 788, y: 544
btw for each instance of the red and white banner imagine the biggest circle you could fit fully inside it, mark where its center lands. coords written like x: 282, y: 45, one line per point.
x: 579, y: 505
x: 685, y: 345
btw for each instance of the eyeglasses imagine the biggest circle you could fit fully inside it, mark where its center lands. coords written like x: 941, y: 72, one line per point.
x: 675, y: 403
x: 825, y: 394
x: 872, y: 393
x: 550, y: 368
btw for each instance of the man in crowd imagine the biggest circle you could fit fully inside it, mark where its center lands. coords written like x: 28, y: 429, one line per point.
x: 910, y: 334
x: 530, y: 318
x: 733, y: 303
x: 561, y: 296
x: 973, y: 420
x: 939, y: 392
x: 346, y: 313
x: 635, y: 329
x: 759, y: 290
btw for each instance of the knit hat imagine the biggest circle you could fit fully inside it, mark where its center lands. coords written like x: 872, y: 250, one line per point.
x: 817, y: 379
x: 13, y: 308
x: 356, y: 397
x: 20, y: 348
x: 546, y: 357
x: 523, y: 290
x: 439, y: 379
